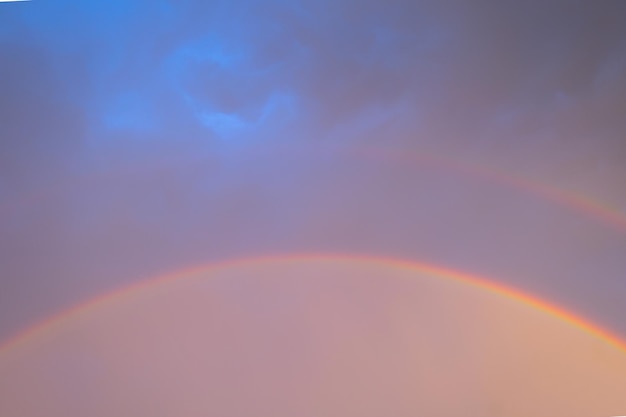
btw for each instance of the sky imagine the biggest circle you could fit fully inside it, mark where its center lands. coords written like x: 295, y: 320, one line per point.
x: 311, y: 336
x: 141, y: 137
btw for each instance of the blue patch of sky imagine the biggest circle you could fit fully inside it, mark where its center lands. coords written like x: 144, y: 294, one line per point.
x: 10, y: 21
x: 105, y: 30
x: 209, y: 49
x: 66, y: 25
x: 129, y: 111
x: 215, y: 58
x: 278, y: 108
x: 224, y: 124
x: 279, y: 103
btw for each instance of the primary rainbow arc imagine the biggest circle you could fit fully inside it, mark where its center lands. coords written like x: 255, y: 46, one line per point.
x: 30, y: 333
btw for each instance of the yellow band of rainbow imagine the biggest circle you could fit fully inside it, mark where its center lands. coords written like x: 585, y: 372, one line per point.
x: 483, y: 283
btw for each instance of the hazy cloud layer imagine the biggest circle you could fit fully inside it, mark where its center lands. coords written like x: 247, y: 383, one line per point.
x: 138, y: 137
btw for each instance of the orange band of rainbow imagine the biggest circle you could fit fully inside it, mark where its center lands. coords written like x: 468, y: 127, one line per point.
x: 576, y: 202
x: 483, y: 283
x: 573, y: 201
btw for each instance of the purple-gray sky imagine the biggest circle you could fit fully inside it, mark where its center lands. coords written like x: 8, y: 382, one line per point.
x: 139, y: 137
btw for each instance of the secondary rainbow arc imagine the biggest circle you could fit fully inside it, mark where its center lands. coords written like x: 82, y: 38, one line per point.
x: 576, y: 202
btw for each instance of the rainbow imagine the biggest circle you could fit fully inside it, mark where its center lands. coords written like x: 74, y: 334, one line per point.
x: 483, y: 283
x: 576, y: 202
